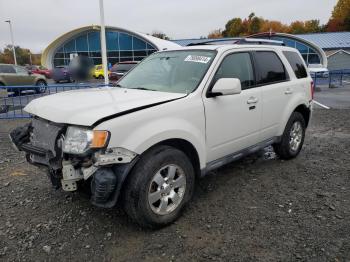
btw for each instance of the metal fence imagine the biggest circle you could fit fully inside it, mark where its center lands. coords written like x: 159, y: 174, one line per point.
x: 332, y: 79
x: 14, y: 98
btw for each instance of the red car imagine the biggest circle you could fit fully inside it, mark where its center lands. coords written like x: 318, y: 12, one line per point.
x: 120, y: 69
x: 41, y: 70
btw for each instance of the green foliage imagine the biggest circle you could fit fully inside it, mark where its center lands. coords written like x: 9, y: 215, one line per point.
x: 23, y: 55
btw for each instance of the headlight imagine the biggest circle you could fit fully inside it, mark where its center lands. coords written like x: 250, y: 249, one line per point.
x: 79, y: 140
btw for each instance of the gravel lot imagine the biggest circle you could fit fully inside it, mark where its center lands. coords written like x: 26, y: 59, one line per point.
x: 257, y: 209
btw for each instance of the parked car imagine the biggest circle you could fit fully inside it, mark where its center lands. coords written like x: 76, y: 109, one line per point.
x: 120, y: 69
x: 41, y: 70
x: 18, y: 79
x: 174, y: 118
x: 318, y: 70
x: 98, y: 72
x: 61, y: 73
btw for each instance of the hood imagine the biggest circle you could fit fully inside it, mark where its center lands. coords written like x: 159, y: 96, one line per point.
x: 86, y: 107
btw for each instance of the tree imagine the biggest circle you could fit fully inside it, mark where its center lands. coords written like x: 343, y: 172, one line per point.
x: 340, y: 20
x: 233, y: 28
x: 341, y: 10
x: 297, y: 27
x: 160, y: 35
x: 313, y: 26
x: 335, y: 25
x: 23, y: 56
x: 255, y: 25
x: 273, y: 26
x: 215, y: 34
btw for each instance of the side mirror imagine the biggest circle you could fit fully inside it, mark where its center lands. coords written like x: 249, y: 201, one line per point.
x: 226, y: 86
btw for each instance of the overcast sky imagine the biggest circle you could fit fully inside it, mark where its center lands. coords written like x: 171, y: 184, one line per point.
x: 38, y: 22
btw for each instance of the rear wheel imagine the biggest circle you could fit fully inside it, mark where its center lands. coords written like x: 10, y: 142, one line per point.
x: 293, y: 137
x: 158, y: 188
x: 41, y: 87
x: 101, y: 77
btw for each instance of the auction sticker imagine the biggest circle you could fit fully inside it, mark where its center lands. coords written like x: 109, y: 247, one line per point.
x: 197, y: 59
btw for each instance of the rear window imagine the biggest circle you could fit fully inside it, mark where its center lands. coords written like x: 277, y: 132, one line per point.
x: 296, y: 63
x: 7, y: 69
x: 270, y: 68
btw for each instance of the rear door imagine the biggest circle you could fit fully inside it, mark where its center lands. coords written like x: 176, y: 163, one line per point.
x: 23, y: 77
x: 233, y: 121
x: 276, y: 89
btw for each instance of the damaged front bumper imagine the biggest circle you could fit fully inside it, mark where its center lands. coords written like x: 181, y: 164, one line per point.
x: 105, y: 170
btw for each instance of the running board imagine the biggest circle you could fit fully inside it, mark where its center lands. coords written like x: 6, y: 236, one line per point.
x: 238, y: 155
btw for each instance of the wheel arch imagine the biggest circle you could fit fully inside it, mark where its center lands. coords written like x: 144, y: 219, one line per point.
x: 186, y: 147
x: 40, y: 79
x: 297, y: 105
x: 305, y: 112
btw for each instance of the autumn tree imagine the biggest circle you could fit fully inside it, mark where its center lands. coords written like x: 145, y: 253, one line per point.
x: 160, y: 35
x: 340, y: 20
x: 215, y: 34
x: 22, y: 55
x: 313, y: 26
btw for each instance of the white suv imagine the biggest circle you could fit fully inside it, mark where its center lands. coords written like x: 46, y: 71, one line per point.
x: 175, y: 117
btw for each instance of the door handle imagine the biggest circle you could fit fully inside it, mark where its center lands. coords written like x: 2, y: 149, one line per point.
x: 252, y: 100
x: 288, y: 91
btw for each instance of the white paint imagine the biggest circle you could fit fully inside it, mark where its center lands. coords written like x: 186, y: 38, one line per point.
x: 215, y: 126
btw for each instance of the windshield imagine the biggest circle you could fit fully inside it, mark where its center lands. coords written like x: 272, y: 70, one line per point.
x: 172, y: 71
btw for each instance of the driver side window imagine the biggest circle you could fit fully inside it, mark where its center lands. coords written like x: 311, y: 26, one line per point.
x: 237, y: 65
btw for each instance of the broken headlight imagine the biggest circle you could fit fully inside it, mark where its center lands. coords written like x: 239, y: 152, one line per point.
x: 79, y: 140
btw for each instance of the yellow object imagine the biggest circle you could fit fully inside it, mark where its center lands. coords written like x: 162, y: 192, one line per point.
x: 100, y: 139
x: 97, y: 72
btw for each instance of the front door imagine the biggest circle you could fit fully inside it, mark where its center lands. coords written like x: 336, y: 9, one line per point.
x: 233, y: 121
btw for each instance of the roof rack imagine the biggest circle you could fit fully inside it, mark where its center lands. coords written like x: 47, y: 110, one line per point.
x: 240, y: 41
x: 259, y: 41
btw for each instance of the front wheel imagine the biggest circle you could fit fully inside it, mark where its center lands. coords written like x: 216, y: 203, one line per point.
x: 158, y: 188
x: 41, y: 87
x: 293, y: 137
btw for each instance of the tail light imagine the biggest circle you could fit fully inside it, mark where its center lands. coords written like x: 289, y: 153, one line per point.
x: 312, y: 90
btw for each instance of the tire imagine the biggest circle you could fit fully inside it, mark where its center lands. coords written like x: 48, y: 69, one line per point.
x: 141, y: 185
x: 293, y: 137
x: 41, y: 87
x: 101, y: 77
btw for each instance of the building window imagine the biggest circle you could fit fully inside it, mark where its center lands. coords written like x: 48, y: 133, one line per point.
x: 120, y: 47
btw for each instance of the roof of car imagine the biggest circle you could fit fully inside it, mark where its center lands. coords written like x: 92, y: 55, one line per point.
x: 226, y: 47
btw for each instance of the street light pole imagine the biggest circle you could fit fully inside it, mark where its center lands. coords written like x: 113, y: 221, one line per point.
x: 13, y: 42
x: 103, y: 43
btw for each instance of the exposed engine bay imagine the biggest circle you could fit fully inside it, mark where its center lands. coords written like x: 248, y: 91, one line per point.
x: 103, y: 170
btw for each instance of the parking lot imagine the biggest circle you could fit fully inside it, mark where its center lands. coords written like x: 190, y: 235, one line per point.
x: 260, y: 208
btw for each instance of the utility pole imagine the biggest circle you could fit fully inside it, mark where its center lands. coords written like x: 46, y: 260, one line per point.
x: 103, y: 44
x: 13, y: 42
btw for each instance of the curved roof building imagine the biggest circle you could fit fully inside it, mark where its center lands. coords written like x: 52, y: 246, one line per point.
x: 122, y: 45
